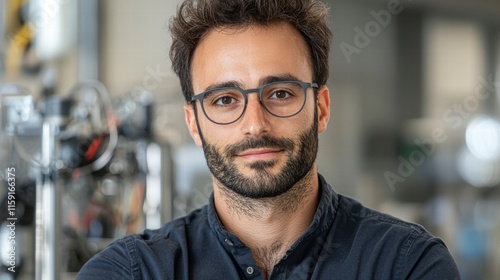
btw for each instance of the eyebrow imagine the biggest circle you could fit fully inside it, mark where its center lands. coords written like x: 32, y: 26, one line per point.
x: 262, y: 81
x: 277, y: 78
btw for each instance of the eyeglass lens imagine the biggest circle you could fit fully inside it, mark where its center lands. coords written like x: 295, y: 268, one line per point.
x: 282, y: 99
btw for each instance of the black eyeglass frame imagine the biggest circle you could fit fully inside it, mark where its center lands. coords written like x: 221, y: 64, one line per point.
x: 260, y: 90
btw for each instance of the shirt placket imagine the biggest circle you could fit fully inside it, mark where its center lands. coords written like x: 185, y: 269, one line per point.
x: 243, y: 256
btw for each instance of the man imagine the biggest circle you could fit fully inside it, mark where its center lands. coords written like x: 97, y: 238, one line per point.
x: 253, y: 73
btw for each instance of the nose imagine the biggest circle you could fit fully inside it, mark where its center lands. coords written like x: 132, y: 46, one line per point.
x: 255, y: 119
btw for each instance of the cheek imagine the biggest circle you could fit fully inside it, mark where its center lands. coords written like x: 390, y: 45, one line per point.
x: 306, y: 117
x: 215, y: 134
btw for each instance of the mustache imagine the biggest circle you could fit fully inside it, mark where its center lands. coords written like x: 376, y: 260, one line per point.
x: 261, y: 142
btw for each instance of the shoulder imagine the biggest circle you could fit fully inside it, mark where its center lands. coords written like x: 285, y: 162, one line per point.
x: 357, y: 215
x: 170, y: 236
x: 178, y: 228
x: 151, y: 252
x: 407, y: 249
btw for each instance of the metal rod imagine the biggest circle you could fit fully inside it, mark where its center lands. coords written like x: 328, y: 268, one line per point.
x: 48, y: 220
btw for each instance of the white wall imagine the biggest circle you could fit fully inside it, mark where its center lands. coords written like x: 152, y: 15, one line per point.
x: 135, y: 42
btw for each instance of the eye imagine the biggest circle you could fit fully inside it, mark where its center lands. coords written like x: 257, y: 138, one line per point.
x: 224, y: 100
x: 223, y: 97
x: 281, y: 94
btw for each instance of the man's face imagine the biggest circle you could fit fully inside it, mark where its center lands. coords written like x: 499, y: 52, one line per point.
x: 259, y: 155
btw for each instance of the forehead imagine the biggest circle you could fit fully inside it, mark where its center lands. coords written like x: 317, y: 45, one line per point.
x: 248, y: 55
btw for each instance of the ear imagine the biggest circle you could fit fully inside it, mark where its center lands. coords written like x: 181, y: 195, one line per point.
x: 323, y: 108
x: 191, y: 123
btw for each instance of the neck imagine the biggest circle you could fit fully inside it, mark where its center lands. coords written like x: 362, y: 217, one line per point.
x: 269, y: 226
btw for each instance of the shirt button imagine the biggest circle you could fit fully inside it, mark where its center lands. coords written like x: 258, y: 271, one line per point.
x: 229, y: 242
x: 250, y: 270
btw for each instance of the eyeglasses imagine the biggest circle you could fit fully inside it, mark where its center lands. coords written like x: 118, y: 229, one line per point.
x: 226, y: 105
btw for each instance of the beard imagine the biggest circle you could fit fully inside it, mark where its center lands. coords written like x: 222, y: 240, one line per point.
x: 301, y: 155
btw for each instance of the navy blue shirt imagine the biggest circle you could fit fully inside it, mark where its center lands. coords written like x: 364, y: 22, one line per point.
x: 344, y: 241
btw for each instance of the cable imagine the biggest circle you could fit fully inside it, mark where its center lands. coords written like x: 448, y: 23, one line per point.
x: 113, y: 133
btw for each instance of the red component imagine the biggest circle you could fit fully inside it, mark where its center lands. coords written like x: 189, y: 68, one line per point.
x: 93, y: 148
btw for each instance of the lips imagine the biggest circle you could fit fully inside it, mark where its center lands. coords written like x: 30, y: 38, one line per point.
x: 260, y: 153
x: 262, y: 147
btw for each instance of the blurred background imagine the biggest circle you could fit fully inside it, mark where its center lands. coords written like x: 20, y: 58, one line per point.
x: 92, y: 127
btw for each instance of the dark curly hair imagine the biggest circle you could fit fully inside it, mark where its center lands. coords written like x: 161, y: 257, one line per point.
x: 195, y: 18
